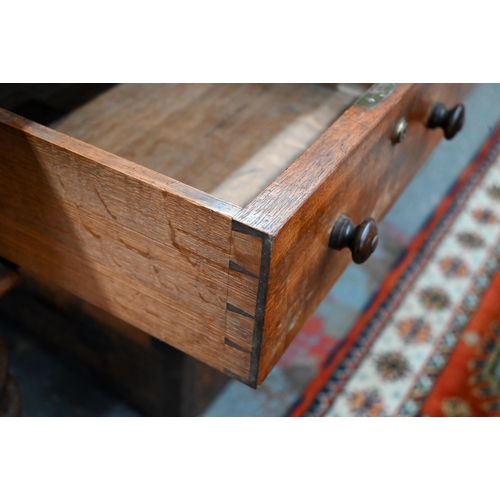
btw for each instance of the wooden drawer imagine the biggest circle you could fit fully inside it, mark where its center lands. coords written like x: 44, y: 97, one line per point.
x: 227, y: 261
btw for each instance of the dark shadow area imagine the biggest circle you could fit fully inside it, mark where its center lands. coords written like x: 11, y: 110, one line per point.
x: 34, y: 221
x: 46, y: 103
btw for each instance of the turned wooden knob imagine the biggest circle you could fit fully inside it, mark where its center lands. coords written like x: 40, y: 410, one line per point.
x: 450, y: 120
x: 362, y: 240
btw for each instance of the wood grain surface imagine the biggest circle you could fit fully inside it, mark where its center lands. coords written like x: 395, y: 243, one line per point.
x: 354, y: 169
x: 201, y: 134
x: 143, y: 247
x: 245, y: 183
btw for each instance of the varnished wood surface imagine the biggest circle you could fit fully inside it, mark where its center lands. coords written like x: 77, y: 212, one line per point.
x: 244, y: 184
x: 242, y: 135
x: 143, y: 247
x: 352, y: 170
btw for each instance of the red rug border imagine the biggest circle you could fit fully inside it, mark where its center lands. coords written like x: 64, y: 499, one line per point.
x: 312, y: 390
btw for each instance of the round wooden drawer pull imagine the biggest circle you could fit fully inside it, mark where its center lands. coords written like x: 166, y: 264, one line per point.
x: 450, y: 120
x: 362, y: 240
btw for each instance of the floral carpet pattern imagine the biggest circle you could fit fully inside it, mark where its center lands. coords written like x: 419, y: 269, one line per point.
x: 427, y: 344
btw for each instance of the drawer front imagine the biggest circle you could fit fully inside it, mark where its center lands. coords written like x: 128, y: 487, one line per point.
x: 356, y: 170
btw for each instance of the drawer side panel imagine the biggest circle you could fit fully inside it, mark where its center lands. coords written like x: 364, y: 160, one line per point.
x: 110, y: 232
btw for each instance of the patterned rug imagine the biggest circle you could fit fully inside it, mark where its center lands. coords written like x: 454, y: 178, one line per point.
x: 428, y: 343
